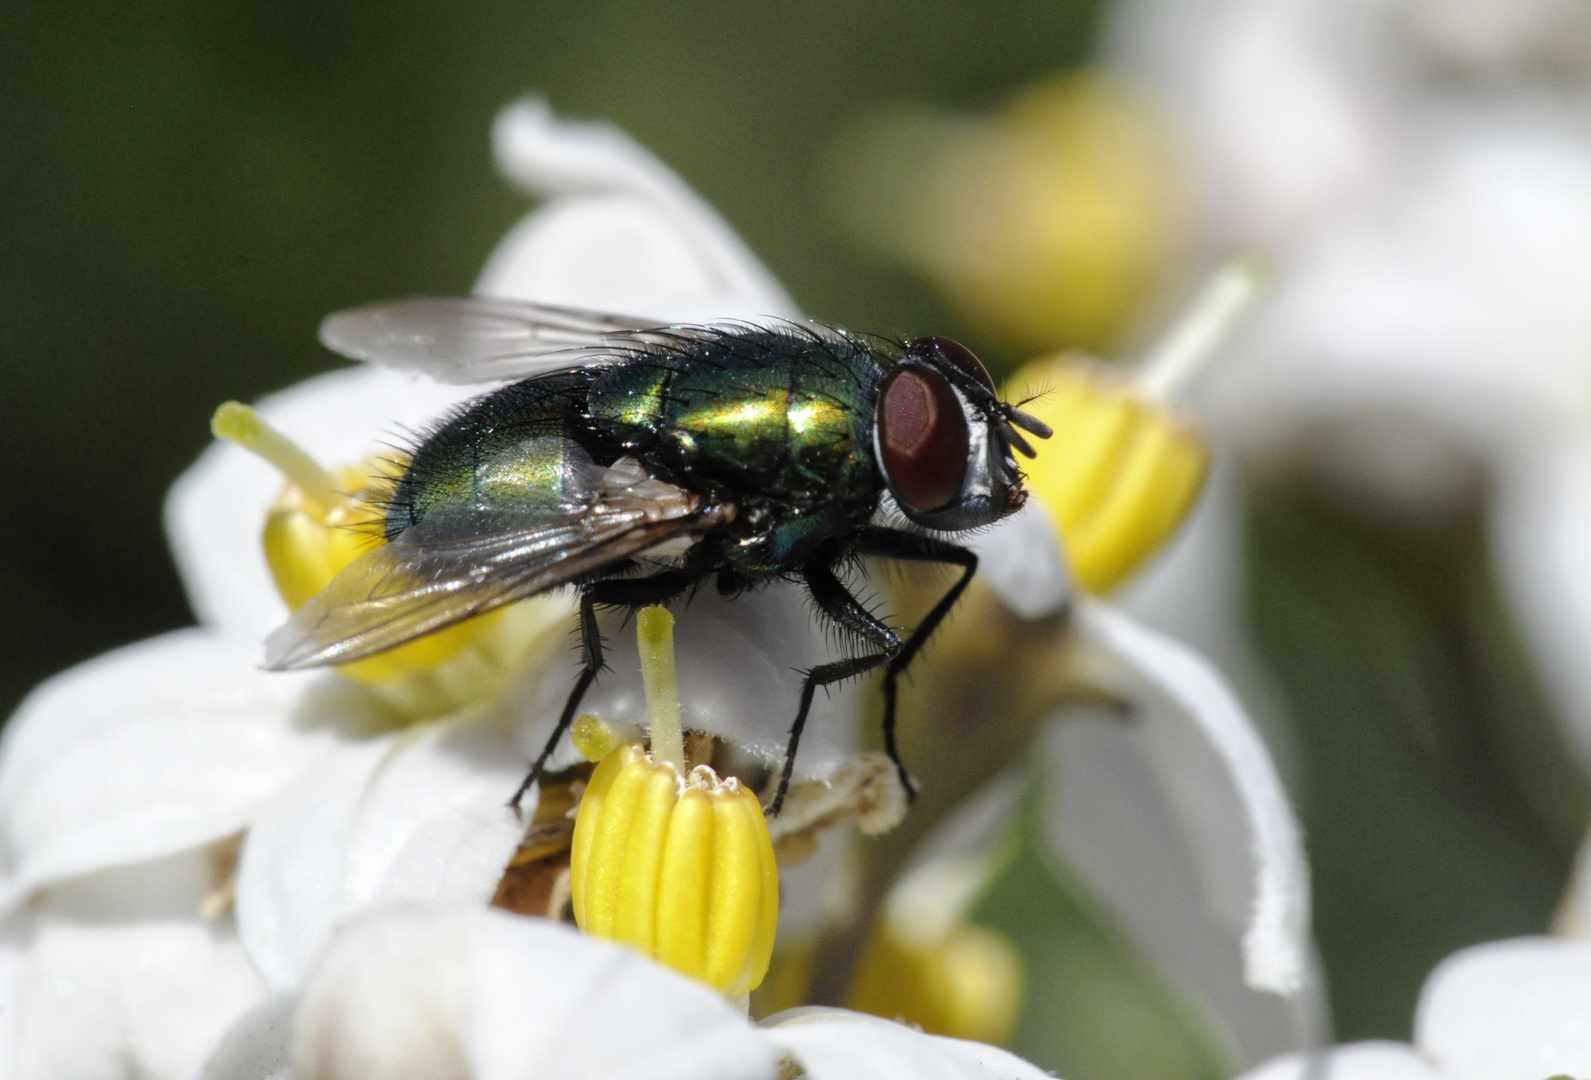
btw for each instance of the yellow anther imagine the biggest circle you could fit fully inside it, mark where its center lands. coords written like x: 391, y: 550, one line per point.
x: 1123, y: 468
x: 928, y: 963
x: 322, y: 521
x: 1046, y: 224
x: 966, y: 983
x: 678, y: 867
x: 306, y: 544
x: 1120, y: 473
x: 676, y: 864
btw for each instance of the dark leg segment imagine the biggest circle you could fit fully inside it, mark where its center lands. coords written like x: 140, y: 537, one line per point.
x: 892, y: 544
x: 615, y: 592
x: 835, y: 601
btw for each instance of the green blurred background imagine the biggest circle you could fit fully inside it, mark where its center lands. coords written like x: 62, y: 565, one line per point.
x: 187, y: 189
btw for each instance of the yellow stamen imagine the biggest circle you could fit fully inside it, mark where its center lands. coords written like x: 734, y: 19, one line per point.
x: 676, y: 864
x: 1123, y: 468
x: 237, y: 422
x: 322, y: 521
x: 678, y: 867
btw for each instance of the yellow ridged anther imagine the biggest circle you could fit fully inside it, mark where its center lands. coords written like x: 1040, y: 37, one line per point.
x: 1120, y: 473
x: 966, y: 984
x: 676, y: 864
x: 678, y: 867
x: 322, y: 521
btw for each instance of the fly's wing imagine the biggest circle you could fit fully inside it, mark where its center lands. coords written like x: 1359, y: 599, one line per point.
x: 463, y: 339
x: 460, y: 561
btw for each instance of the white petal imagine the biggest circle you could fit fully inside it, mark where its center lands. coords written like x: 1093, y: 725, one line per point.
x: 429, y: 992
x: 1232, y: 802
x: 163, y: 745
x: 216, y: 510
x: 740, y: 662
x: 258, y: 1045
x: 1281, y: 120
x: 1020, y: 559
x: 1192, y: 589
x: 1108, y: 815
x: 1457, y: 299
x: 436, y: 824
x: 1355, y: 1061
x: 833, y: 1044
x: 550, y: 1003
x: 621, y: 232
x: 140, y: 1001
x: 1539, y: 524
x: 11, y: 960
x: 1509, y: 1010
x: 388, y: 1001
x: 173, y: 887
x: 290, y: 877
x: 424, y: 817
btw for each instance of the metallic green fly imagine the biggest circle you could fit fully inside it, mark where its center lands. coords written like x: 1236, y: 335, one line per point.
x: 635, y: 462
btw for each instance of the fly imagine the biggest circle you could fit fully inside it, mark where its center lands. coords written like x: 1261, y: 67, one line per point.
x: 635, y: 463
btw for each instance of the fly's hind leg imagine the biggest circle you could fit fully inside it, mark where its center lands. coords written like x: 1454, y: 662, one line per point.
x: 836, y: 601
x: 615, y: 592
x: 894, y: 544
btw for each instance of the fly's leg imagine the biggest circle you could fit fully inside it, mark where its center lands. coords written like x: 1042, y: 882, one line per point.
x: 835, y: 601
x: 616, y: 592
x: 893, y: 544
x: 591, y: 652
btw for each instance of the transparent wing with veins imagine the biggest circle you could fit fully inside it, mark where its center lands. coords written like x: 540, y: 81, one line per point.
x: 462, y: 561
x: 463, y: 339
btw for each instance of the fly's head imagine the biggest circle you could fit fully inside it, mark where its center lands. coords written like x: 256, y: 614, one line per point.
x: 945, y: 441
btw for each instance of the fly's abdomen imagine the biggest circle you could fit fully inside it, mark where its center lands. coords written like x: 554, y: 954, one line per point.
x: 502, y: 457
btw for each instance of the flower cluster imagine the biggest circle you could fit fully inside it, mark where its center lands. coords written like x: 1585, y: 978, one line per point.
x: 213, y: 870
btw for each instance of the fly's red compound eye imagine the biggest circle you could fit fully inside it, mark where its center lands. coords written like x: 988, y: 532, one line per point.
x: 922, y: 437
x: 955, y: 353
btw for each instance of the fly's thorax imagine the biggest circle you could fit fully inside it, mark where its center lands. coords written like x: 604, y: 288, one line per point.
x: 771, y: 539
x: 763, y: 412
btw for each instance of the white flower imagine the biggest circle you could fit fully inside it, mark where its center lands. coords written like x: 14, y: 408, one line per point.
x: 434, y: 993
x: 1505, y: 1010
x: 175, y: 758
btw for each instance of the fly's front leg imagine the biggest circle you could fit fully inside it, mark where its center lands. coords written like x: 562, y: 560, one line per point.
x: 893, y: 544
x: 622, y: 592
x: 835, y: 601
